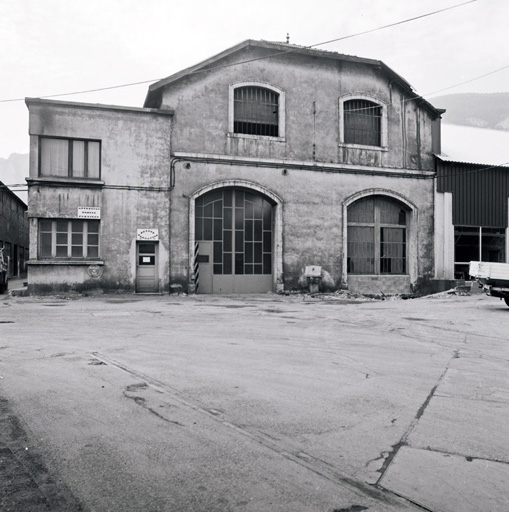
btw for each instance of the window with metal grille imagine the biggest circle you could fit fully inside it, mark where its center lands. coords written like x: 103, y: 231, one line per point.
x: 376, y: 236
x: 62, y: 238
x: 256, y: 111
x: 70, y: 158
x: 362, y: 122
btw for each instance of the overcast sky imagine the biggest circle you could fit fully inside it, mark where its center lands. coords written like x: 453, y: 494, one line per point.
x: 49, y: 47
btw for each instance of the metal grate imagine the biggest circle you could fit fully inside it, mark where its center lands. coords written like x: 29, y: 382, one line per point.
x: 256, y: 111
x: 362, y: 123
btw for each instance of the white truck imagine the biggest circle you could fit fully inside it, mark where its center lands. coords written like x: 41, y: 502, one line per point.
x: 492, y: 277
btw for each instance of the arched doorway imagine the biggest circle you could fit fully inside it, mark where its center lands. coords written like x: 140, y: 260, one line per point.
x: 234, y: 241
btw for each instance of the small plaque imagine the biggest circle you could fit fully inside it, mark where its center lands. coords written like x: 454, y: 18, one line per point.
x: 147, y: 234
x: 89, y: 212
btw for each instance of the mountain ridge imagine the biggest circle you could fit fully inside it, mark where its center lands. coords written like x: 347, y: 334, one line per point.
x: 482, y: 110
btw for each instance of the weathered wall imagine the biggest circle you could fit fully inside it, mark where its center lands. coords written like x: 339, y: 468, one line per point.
x: 313, y: 87
x: 13, y: 230
x: 312, y: 219
x: 135, y: 154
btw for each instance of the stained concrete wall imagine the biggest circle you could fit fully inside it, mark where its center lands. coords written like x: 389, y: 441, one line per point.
x: 312, y: 88
x: 309, y: 169
x: 312, y: 220
x: 313, y: 230
x: 132, y: 192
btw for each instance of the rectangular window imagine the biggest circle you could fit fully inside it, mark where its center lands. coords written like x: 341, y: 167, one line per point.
x: 70, y: 158
x: 60, y: 238
x: 362, y: 123
x: 256, y: 111
x: 476, y: 243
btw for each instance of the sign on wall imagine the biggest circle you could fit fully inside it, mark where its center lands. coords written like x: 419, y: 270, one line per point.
x: 89, y: 212
x: 148, y: 234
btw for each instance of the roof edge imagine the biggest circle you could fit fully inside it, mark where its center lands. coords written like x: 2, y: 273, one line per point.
x: 154, y: 90
x: 74, y: 104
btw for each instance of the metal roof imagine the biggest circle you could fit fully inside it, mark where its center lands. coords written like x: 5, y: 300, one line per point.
x: 473, y: 145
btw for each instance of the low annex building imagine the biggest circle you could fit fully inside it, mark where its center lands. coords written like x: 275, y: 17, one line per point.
x: 236, y: 175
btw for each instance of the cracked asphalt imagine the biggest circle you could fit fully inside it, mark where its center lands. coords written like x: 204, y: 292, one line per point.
x: 254, y: 403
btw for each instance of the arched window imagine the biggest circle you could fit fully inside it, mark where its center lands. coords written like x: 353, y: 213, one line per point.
x: 362, y: 122
x: 377, y: 236
x: 256, y: 111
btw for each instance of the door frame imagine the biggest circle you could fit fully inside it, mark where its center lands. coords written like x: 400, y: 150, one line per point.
x: 155, y: 267
x: 277, y: 250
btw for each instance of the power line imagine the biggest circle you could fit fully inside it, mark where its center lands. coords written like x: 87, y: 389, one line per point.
x: 291, y: 50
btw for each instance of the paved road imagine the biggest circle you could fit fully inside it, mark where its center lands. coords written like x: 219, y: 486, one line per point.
x: 259, y: 403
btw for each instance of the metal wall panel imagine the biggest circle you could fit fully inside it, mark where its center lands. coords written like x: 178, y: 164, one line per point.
x: 479, y: 193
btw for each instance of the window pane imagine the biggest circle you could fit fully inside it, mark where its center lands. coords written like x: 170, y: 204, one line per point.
x: 62, y: 226
x: 248, y: 252
x: 61, y: 238
x: 218, y: 252
x: 45, y: 225
x: 78, y: 159
x: 392, y: 251
x: 142, y: 248
x: 361, y: 250
x: 94, y: 158
x: 77, y: 239
x: 256, y: 111
x: 93, y: 226
x: 77, y: 226
x: 239, y: 263
x: 61, y: 251
x: 54, y: 157
x: 227, y: 240
x: 227, y: 263
x: 207, y: 229
x: 77, y: 251
x: 362, y: 122
x: 493, y: 244
x: 267, y: 264
x: 258, y: 252
x: 93, y: 252
x: 45, y: 245
x: 362, y: 211
x: 466, y: 244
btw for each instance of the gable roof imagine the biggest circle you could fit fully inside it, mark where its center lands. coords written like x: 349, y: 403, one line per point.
x: 155, y: 90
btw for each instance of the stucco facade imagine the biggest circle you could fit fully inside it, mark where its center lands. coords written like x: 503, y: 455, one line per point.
x: 163, y: 167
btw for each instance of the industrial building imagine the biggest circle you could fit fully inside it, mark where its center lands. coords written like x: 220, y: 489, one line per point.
x: 238, y: 175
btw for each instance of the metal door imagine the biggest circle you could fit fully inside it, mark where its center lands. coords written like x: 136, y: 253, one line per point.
x: 234, y: 232
x: 146, y: 268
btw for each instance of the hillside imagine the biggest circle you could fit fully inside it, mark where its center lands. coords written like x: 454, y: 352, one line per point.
x: 475, y: 109
x: 13, y: 171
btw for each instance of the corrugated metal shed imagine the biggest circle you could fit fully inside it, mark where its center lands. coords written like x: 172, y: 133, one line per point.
x: 479, y: 192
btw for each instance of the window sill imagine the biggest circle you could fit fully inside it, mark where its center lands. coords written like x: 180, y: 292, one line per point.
x: 72, y: 182
x: 65, y: 262
x: 361, y: 146
x: 255, y: 137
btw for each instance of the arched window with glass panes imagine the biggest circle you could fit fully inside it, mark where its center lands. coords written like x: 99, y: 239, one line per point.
x: 377, y: 236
